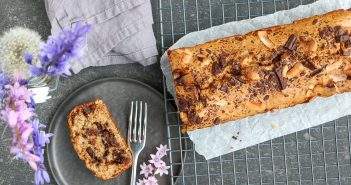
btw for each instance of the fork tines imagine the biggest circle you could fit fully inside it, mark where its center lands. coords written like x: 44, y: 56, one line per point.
x: 137, y: 122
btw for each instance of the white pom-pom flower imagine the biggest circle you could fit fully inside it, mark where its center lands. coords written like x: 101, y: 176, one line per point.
x: 13, y: 44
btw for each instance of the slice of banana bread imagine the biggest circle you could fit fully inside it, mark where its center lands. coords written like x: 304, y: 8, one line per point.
x: 97, y: 140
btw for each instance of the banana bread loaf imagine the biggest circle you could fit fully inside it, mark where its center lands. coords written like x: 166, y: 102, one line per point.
x: 235, y: 77
x: 97, y: 140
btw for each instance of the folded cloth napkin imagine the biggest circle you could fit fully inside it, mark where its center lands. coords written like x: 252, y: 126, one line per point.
x: 122, y: 30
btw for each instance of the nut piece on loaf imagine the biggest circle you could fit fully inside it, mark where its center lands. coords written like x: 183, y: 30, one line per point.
x: 97, y: 140
x: 243, y: 75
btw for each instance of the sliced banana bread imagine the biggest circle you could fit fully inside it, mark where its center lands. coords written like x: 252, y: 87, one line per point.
x: 97, y: 140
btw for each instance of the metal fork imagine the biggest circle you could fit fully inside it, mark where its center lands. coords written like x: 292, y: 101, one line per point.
x: 137, y: 133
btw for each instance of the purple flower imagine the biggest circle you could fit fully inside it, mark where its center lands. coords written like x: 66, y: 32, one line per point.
x: 18, y: 92
x: 146, y: 169
x: 162, y: 169
x: 28, y: 58
x: 40, y: 139
x: 162, y: 150
x: 41, y: 175
x: 141, y: 182
x: 156, y: 160
x: 17, y: 115
x: 3, y: 81
x: 19, y: 78
x: 151, y: 181
x: 56, y: 54
x: 28, y: 137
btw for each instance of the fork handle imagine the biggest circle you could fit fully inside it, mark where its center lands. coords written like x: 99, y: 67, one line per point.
x: 134, y: 169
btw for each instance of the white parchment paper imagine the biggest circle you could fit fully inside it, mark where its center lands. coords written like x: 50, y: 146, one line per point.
x: 215, y: 141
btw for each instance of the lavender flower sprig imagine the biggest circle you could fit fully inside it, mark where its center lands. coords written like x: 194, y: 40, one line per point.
x: 28, y: 138
x: 156, y: 167
x: 40, y: 139
x: 17, y: 114
x: 56, y: 54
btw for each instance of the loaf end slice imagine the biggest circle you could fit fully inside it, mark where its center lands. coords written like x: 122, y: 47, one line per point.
x: 97, y: 140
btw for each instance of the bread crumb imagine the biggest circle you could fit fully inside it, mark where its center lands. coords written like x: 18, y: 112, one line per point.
x: 274, y: 125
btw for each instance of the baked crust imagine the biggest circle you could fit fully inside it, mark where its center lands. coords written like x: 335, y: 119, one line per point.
x: 92, y: 126
x: 273, y: 68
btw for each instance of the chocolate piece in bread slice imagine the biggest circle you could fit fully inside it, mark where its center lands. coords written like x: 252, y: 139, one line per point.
x: 97, y: 140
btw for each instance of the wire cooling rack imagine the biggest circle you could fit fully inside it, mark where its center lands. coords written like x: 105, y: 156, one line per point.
x: 319, y: 155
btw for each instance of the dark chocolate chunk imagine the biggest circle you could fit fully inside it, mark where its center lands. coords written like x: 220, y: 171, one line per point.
x: 239, y: 38
x: 273, y: 81
x: 222, y: 59
x: 98, y: 125
x: 234, y: 137
x: 345, y: 52
x: 341, y: 38
x: 191, y: 115
x: 347, y: 44
x: 291, y: 43
x: 92, y: 142
x: 330, y: 29
x: 201, y: 51
x: 196, y: 92
x: 266, y: 97
x: 179, y: 81
x: 216, y: 121
x: 330, y: 84
x: 90, y: 152
x: 120, y: 160
x: 111, y: 141
x: 224, y: 88
x: 240, y: 79
x: 309, y: 65
x: 106, y: 153
x: 216, y: 68
x: 109, y: 138
x: 86, y: 110
x: 92, y: 132
x: 315, y: 72
x: 213, y: 85
x: 235, y: 68
x: 116, y: 153
x: 282, y: 49
x: 277, y: 52
x: 339, y: 31
x: 232, y: 80
x: 203, y: 101
x: 200, y: 58
x: 322, y: 34
x: 327, y: 31
x: 118, y: 157
x: 263, y: 58
x: 282, y: 82
x: 197, y: 119
x: 277, y: 59
x: 183, y: 105
x: 314, y: 21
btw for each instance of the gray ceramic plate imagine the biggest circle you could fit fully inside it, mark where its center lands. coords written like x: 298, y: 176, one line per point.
x: 117, y: 93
